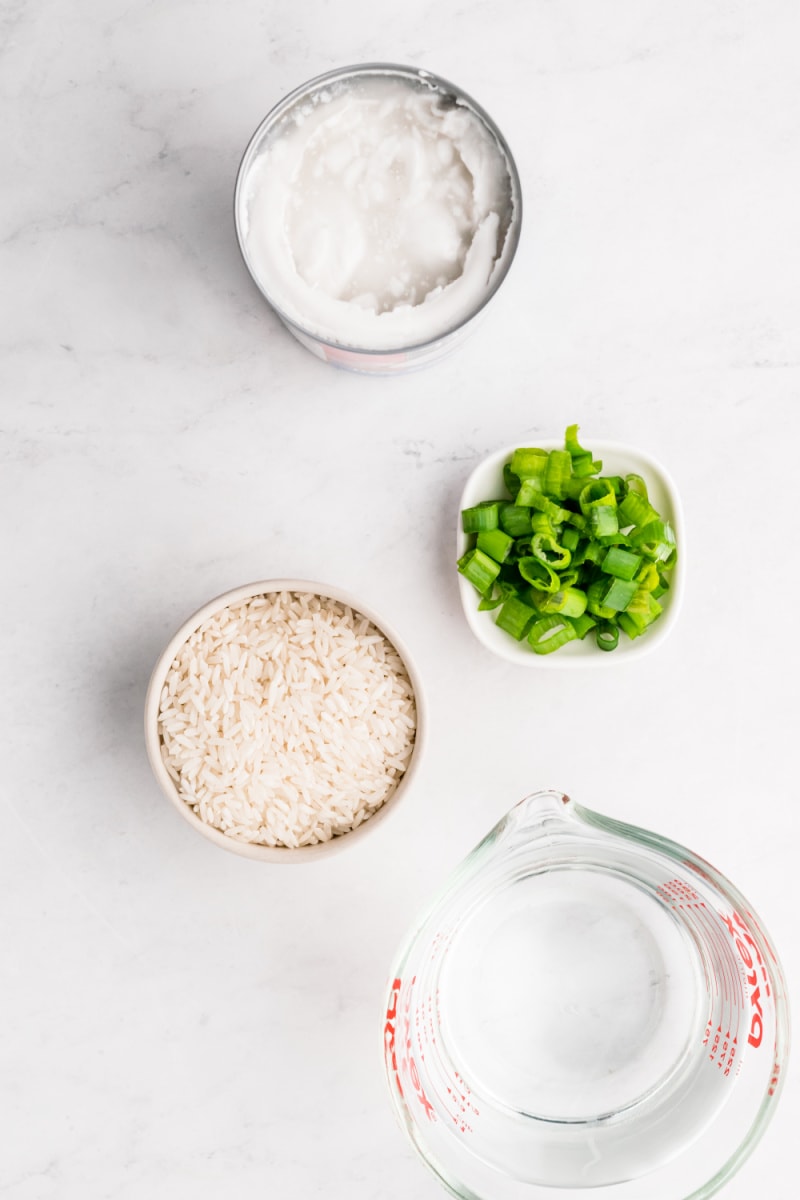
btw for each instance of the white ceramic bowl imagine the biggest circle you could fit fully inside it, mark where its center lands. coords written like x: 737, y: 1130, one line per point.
x: 274, y: 854
x: 486, y: 483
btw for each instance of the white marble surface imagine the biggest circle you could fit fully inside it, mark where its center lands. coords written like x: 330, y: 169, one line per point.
x: 177, y: 1021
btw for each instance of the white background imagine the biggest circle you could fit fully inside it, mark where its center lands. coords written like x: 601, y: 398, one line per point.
x: 178, y: 1021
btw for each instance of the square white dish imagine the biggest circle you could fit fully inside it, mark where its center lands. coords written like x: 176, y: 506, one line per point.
x: 486, y: 483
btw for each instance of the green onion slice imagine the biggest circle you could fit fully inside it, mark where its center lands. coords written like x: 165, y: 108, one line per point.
x: 546, y: 548
x: 656, y: 540
x: 636, y: 510
x: 511, y: 481
x: 549, y: 633
x: 636, y: 484
x: 495, y: 543
x: 516, y: 617
x: 569, y: 601
x: 529, y: 463
x: 619, y: 595
x: 571, y: 443
x: 538, y: 574
x: 603, y: 521
x: 479, y: 569
x: 482, y: 516
x: 627, y: 624
x: 607, y: 636
x: 621, y: 563
x: 529, y: 489
x: 594, y: 600
x: 598, y: 492
x: 515, y: 520
x: 559, y: 469
x: 582, y: 624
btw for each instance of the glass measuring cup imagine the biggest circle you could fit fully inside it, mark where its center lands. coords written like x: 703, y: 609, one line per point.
x: 584, y: 1005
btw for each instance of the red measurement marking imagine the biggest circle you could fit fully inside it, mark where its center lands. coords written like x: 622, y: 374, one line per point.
x: 407, y: 1066
x: 679, y: 893
x: 756, y: 974
x: 731, y: 1057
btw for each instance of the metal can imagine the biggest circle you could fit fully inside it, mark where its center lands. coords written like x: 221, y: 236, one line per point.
x: 342, y: 350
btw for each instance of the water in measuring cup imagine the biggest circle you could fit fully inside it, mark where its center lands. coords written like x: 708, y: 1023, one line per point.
x: 571, y: 995
x: 584, y: 1006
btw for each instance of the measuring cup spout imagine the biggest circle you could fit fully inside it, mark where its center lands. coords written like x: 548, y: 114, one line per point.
x: 539, y: 814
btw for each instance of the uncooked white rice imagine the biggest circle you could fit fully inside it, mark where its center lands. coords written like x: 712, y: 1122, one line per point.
x: 287, y: 719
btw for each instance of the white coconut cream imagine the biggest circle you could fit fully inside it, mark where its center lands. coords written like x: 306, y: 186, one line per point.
x: 376, y: 213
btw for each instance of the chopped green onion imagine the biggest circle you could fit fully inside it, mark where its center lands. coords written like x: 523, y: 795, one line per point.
x: 648, y: 576
x: 621, y: 563
x: 482, y: 516
x: 594, y: 600
x: 571, y: 443
x: 643, y: 608
x: 603, y: 520
x: 559, y: 469
x: 556, y: 514
x: 582, y: 464
x: 575, y: 603
x: 635, y: 510
x: 607, y: 636
x: 546, y: 548
x: 495, y: 543
x: 579, y: 553
x: 661, y: 588
x: 629, y: 626
x: 515, y: 617
x: 515, y: 520
x: 529, y: 463
x: 569, y: 550
x: 582, y: 624
x: 549, y: 633
x: 598, y: 492
x: 578, y: 520
x: 656, y: 540
x: 615, y: 539
x: 636, y: 484
x: 500, y: 590
x: 493, y: 598
x: 594, y: 553
x: 569, y: 601
x: 574, y: 487
x: 479, y: 569
x: 538, y: 574
x: 541, y: 523
x: 633, y: 626
x: 528, y: 490
x: 619, y: 594
x: 511, y: 481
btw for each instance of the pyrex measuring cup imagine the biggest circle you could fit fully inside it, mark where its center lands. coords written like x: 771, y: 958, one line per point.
x: 585, y: 1005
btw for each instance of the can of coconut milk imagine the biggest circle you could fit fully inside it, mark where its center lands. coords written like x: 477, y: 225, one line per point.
x: 378, y: 210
